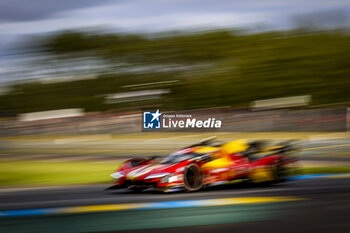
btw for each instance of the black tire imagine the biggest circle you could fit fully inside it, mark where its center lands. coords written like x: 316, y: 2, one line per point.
x: 193, y: 178
x: 280, y: 173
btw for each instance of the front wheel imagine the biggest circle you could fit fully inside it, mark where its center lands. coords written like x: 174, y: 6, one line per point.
x: 193, y: 178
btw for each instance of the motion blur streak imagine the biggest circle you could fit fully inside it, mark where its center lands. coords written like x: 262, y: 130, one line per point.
x: 77, y: 77
x: 153, y: 205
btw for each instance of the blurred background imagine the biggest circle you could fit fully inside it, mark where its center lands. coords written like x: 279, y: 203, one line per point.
x: 76, y: 75
x: 100, y: 63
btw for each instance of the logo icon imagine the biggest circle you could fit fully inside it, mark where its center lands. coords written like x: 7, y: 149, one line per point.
x: 151, y: 120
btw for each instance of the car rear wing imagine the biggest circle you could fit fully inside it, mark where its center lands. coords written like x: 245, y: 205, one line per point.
x: 285, y: 147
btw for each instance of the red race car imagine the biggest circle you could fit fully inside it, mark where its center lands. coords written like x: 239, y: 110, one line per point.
x: 207, y: 163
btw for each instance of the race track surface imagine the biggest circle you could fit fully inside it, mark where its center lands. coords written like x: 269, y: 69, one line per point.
x: 314, y: 205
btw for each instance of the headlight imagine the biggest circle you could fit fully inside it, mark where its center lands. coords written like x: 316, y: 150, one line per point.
x: 158, y: 175
x: 170, y: 178
x: 117, y: 175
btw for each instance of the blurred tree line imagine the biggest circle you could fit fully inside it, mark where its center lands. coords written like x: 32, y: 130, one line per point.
x: 212, y: 68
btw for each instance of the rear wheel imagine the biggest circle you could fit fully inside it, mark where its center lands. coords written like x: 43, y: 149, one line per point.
x: 280, y: 173
x: 193, y: 178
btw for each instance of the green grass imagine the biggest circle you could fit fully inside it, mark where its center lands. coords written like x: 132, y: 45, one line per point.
x: 46, y: 173
x: 325, y: 170
x: 52, y: 173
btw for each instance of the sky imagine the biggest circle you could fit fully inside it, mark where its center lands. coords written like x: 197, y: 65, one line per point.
x: 21, y: 18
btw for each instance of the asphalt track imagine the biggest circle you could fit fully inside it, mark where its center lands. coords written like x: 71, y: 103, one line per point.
x: 312, y: 205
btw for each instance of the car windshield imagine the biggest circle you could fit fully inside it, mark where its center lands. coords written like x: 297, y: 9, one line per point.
x: 176, y: 158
